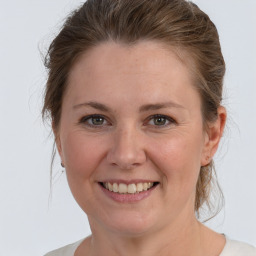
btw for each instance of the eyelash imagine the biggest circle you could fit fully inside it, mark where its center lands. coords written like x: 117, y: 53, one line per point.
x: 85, y: 120
x: 167, y: 118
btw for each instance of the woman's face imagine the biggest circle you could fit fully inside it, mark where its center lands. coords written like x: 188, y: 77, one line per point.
x: 132, y: 116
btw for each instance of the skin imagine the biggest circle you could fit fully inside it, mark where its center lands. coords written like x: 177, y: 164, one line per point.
x: 129, y: 144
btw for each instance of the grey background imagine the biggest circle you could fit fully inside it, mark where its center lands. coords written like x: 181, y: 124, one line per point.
x: 30, y: 224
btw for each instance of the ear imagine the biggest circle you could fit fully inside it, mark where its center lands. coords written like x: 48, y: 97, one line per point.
x: 57, y: 140
x: 214, y: 133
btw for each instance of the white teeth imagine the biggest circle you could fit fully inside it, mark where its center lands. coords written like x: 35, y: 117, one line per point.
x: 115, y: 187
x: 109, y: 186
x: 145, y: 186
x: 122, y: 188
x: 130, y: 189
x: 139, y: 187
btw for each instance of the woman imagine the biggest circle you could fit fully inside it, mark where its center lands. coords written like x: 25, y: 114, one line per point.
x: 134, y: 94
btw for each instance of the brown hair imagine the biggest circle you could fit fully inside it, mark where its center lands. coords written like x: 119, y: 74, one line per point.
x: 176, y: 23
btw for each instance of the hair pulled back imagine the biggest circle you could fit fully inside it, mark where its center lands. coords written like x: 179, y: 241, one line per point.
x: 179, y: 24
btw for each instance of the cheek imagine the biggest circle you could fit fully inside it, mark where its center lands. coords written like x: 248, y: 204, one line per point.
x: 82, y: 154
x: 178, y: 158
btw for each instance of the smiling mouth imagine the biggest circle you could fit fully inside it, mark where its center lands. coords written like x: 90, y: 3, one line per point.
x: 133, y: 188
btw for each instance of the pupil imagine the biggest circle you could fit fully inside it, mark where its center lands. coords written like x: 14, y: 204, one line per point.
x: 160, y: 121
x: 97, y: 120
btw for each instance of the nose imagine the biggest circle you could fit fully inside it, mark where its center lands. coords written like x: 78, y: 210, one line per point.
x: 127, y: 150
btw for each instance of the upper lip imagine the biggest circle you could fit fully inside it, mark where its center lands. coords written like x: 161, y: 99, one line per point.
x: 127, y: 182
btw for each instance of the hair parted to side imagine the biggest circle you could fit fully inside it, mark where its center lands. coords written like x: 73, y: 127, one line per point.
x: 178, y: 24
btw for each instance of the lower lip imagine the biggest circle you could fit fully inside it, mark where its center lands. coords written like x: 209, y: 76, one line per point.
x: 128, y: 198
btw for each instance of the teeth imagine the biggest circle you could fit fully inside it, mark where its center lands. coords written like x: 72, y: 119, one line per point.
x: 139, y: 187
x: 115, y: 187
x: 123, y: 188
x: 109, y: 186
x: 145, y: 186
x: 130, y: 189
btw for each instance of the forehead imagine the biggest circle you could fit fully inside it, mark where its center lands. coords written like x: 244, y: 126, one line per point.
x: 144, y: 56
x: 146, y: 69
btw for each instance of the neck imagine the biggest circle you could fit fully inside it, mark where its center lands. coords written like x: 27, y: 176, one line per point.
x: 172, y: 240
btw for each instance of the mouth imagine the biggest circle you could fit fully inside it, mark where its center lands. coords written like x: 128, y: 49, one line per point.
x: 131, y: 188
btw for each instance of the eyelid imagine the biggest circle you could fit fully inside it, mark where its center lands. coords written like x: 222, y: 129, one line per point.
x: 85, y: 118
x: 168, y: 118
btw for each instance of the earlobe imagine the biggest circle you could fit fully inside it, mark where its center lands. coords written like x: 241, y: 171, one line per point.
x: 213, y: 135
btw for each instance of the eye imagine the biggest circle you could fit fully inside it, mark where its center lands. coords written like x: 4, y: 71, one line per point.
x: 94, y: 120
x: 161, y: 120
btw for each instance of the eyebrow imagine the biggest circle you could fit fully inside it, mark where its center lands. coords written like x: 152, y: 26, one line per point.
x: 93, y: 104
x: 157, y: 106
x: 144, y: 108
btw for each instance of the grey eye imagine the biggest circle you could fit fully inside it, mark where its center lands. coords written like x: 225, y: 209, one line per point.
x: 96, y: 120
x: 159, y: 120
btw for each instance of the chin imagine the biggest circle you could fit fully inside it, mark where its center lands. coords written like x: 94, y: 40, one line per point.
x: 132, y: 224
x: 134, y: 230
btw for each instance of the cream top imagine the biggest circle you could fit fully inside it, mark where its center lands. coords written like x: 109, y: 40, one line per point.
x: 232, y: 248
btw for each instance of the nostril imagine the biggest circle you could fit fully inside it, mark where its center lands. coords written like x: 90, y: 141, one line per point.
x: 125, y: 166
x: 126, y: 155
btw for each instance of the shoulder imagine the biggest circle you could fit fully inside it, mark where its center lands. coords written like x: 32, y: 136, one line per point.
x: 235, y: 248
x: 68, y: 250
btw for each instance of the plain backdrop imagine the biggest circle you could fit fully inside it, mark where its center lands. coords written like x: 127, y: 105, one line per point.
x: 30, y: 223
